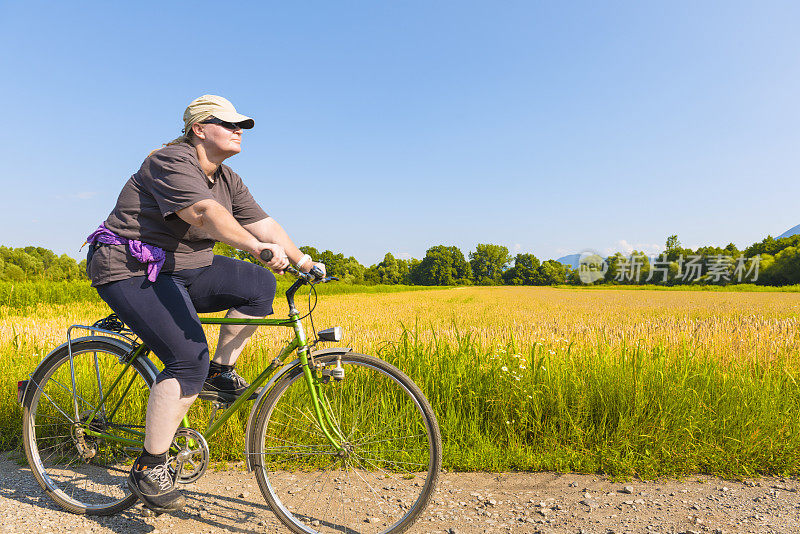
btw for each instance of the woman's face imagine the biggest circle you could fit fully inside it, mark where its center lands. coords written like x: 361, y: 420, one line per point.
x: 221, y: 139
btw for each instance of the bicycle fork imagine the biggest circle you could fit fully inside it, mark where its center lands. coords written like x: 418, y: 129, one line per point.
x: 322, y: 410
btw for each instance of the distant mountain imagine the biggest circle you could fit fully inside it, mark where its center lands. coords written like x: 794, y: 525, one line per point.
x: 788, y: 233
x: 573, y: 260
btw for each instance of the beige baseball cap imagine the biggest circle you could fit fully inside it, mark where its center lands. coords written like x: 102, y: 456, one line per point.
x: 207, y: 106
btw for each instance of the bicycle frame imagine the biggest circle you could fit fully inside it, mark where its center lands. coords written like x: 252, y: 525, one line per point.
x: 299, y: 344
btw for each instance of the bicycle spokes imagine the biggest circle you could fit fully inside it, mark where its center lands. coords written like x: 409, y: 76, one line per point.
x: 386, y: 466
x: 85, y: 460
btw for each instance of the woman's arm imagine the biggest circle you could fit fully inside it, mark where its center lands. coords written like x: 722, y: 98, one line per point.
x: 218, y: 222
x: 269, y: 231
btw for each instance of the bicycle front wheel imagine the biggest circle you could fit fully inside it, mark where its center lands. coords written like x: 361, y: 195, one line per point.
x: 389, y: 464
x: 86, y: 474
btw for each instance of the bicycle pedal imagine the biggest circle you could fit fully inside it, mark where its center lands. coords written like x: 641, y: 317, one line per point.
x: 223, y: 399
x: 215, y: 399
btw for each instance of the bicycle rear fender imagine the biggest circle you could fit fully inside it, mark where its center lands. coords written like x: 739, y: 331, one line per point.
x: 55, y: 353
x: 251, y: 420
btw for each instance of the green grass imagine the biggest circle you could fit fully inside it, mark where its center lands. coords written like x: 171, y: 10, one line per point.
x: 24, y: 296
x: 341, y: 288
x: 629, y: 412
x: 645, y: 413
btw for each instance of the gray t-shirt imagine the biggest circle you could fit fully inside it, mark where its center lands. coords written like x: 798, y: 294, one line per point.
x: 169, y: 180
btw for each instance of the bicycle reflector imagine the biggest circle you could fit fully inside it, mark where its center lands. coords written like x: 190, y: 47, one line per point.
x: 330, y: 334
x: 22, y: 385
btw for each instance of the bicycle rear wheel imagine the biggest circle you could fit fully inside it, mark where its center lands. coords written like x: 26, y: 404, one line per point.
x: 388, y: 471
x: 85, y: 474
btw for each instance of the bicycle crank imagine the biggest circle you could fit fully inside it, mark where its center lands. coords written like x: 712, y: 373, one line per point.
x: 191, y: 455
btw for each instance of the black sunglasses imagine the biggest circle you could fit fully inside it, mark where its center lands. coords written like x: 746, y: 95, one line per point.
x: 232, y: 126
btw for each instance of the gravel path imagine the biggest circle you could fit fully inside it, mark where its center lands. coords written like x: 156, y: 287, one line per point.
x: 229, y: 501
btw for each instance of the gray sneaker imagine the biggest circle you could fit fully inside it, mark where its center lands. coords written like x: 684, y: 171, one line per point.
x: 155, y: 487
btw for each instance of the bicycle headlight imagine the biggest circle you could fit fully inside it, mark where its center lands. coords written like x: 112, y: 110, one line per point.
x: 330, y: 334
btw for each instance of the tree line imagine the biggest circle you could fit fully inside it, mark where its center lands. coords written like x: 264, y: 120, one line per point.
x: 778, y: 263
x: 38, y: 263
x: 768, y: 262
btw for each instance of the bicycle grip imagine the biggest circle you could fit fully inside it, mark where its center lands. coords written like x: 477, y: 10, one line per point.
x: 266, y: 255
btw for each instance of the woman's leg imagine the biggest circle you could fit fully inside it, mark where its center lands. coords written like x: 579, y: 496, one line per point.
x: 162, y: 315
x: 246, y: 290
x: 233, y: 338
x: 165, y: 410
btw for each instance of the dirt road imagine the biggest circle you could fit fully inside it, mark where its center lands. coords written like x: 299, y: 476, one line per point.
x: 466, y: 503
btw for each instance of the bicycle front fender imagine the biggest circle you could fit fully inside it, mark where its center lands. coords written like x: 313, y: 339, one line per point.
x: 251, y: 420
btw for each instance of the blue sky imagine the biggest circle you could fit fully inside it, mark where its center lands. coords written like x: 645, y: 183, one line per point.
x: 395, y: 126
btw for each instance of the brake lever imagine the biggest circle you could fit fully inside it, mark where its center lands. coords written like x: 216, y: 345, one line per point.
x: 298, y: 274
x: 317, y: 273
x: 309, y: 277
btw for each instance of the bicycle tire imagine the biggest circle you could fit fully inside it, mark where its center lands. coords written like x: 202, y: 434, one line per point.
x: 96, y: 486
x: 393, y: 442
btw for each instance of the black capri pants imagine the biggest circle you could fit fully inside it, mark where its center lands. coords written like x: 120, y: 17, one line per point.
x: 164, y: 313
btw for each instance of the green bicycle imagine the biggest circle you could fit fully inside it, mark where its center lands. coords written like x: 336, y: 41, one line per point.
x: 339, y: 441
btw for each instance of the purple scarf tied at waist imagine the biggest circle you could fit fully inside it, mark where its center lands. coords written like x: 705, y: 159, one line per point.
x: 153, y: 256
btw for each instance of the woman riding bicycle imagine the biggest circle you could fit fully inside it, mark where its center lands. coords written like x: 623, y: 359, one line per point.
x: 152, y: 263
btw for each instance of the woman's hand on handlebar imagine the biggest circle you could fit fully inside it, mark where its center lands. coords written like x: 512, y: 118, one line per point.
x: 278, y: 261
x: 317, y: 267
x: 270, y: 253
x: 318, y: 270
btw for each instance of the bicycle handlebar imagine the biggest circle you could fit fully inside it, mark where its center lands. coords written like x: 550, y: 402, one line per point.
x: 314, y: 275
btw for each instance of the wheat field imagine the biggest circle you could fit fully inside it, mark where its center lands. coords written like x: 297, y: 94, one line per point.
x: 631, y: 383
